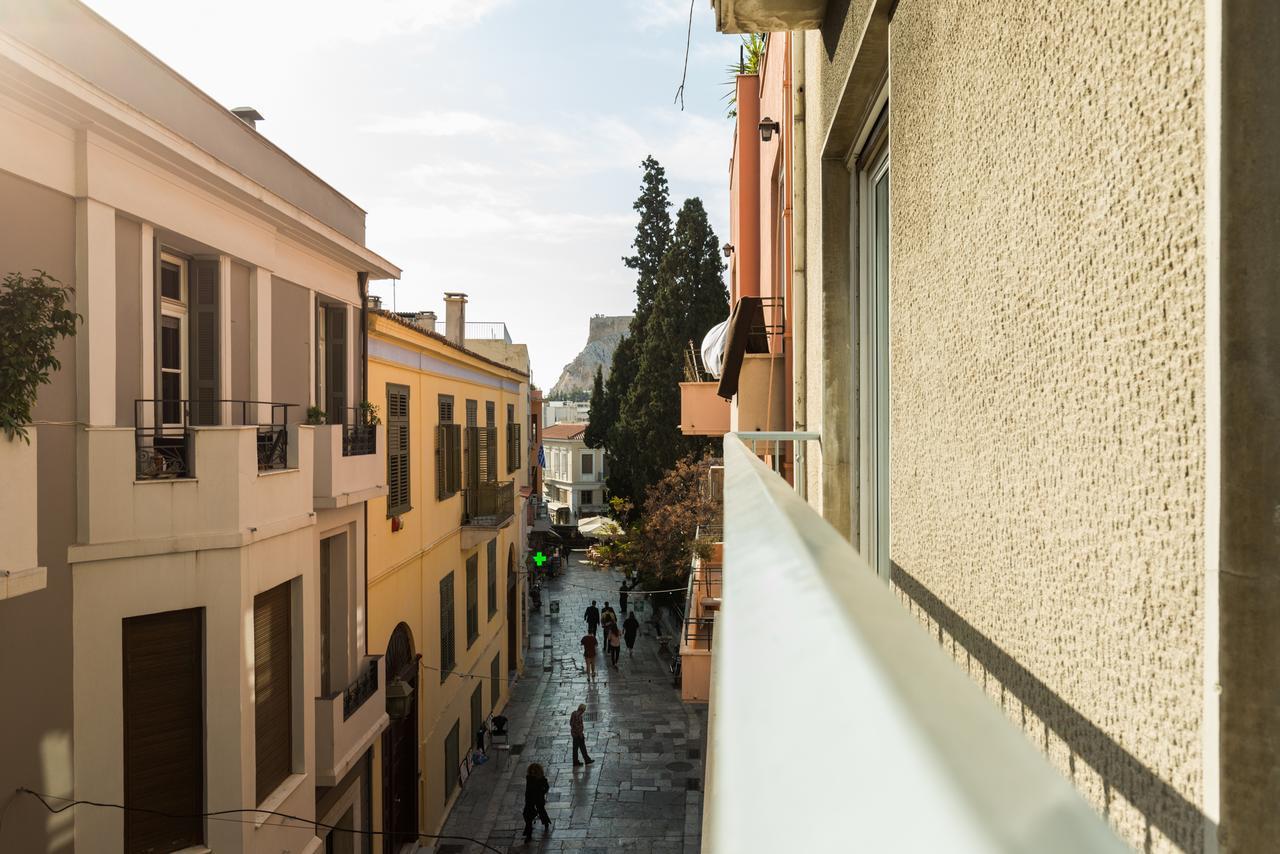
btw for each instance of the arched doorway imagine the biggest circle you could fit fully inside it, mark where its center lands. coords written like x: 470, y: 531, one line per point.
x: 400, y: 750
x: 512, y: 601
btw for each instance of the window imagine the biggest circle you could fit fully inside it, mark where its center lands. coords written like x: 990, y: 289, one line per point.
x: 477, y: 709
x: 473, y: 595
x: 451, y: 761
x: 448, y: 451
x: 272, y: 688
x: 331, y: 360
x: 162, y: 656
x: 495, y: 682
x: 513, y: 439
x: 447, y: 632
x: 873, y: 196
x: 334, y: 592
x: 588, y: 463
x: 588, y: 497
x: 489, y: 414
x: 173, y: 337
x: 471, y: 414
x: 398, y: 487
x: 492, y: 557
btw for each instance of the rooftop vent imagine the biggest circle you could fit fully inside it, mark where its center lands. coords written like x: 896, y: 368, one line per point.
x: 248, y: 115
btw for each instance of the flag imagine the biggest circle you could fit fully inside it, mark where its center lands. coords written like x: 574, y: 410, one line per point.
x: 542, y: 458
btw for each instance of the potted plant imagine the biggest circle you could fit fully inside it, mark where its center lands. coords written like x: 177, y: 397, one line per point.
x: 316, y: 416
x: 368, y: 413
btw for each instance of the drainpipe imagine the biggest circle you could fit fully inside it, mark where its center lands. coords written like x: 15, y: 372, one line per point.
x: 799, y: 385
x: 362, y: 283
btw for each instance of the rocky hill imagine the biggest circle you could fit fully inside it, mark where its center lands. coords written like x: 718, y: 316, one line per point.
x: 602, y: 339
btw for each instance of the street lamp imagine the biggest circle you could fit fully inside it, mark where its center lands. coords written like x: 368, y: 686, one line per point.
x: 728, y: 249
x: 768, y: 127
x: 399, y: 698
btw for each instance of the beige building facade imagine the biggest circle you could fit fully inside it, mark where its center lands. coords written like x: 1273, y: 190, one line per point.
x: 1034, y: 326
x: 193, y: 636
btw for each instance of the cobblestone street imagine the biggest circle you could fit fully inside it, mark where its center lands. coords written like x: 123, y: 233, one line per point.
x: 643, y: 792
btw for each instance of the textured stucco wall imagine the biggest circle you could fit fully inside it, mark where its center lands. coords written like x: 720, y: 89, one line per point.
x: 1047, y: 314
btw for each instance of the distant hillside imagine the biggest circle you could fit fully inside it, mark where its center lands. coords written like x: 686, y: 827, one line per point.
x: 602, y: 339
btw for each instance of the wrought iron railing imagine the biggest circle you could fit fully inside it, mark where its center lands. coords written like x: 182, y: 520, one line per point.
x: 488, y: 503
x: 360, y: 690
x: 163, y: 443
x: 359, y: 435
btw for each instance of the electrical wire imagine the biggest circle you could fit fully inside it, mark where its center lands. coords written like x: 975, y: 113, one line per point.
x: 688, y: 39
x: 222, y: 815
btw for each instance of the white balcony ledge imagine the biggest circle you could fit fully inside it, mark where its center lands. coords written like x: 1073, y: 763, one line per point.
x: 917, y: 758
x: 341, y: 739
x: 768, y: 16
x: 343, y: 475
x: 19, y: 572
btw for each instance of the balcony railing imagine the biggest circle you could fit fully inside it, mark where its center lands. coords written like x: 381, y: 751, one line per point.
x: 489, y: 331
x: 919, y: 759
x: 489, y: 504
x: 163, y: 436
x: 360, y: 690
x: 359, y: 436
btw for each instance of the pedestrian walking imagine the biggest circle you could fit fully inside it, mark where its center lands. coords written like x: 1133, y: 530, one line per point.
x: 592, y: 616
x: 629, y: 631
x: 615, y: 643
x: 608, y: 617
x: 623, y: 592
x: 589, y: 654
x: 579, y: 734
x: 535, y: 798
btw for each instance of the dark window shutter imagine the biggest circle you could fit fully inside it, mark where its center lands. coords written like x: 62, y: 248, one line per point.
x: 163, y: 698
x: 495, y: 682
x: 398, y: 487
x: 489, y: 414
x: 204, y: 349
x: 471, y: 414
x: 335, y: 372
x: 472, y: 458
x: 447, y: 632
x: 455, y: 457
x: 442, y: 455
x: 446, y: 409
x: 493, y: 577
x: 273, y: 689
x: 473, y: 599
x: 451, y: 762
x: 477, y: 709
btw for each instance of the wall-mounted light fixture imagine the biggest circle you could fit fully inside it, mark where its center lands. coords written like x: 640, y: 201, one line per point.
x: 727, y: 249
x: 768, y: 127
x: 399, y: 697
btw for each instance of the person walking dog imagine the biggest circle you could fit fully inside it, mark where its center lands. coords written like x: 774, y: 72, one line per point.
x: 630, y: 629
x: 579, y: 734
x: 535, y: 798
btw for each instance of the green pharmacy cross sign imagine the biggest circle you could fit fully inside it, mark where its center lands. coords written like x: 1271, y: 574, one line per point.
x: 539, y: 559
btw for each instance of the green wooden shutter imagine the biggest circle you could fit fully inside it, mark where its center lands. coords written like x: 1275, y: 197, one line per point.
x: 398, y: 486
x: 335, y: 369
x: 204, y: 341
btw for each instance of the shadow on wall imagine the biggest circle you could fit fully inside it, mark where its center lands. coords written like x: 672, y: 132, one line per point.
x: 1162, y: 807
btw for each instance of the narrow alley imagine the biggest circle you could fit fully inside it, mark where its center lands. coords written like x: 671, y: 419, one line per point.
x: 643, y: 792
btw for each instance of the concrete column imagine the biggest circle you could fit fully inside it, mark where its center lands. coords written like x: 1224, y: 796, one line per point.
x: 96, y: 303
x: 840, y: 343
x: 146, y: 313
x: 224, y: 334
x: 260, y: 334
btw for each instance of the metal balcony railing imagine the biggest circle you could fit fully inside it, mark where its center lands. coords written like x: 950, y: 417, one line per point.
x: 362, y: 688
x: 359, y: 436
x: 488, y: 504
x: 913, y: 755
x: 488, y: 330
x: 163, y: 436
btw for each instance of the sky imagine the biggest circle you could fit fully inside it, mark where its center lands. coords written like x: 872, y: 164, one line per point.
x: 495, y: 144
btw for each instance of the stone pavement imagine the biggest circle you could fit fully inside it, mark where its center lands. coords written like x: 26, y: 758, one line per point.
x: 643, y: 793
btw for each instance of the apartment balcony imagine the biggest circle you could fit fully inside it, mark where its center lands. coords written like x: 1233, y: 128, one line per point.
x: 918, y: 758
x: 350, y: 463
x: 702, y: 603
x: 762, y: 394
x: 768, y: 16
x: 19, y: 572
x: 486, y: 507
x: 212, y: 486
x: 702, y: 411
x: 347, y: 721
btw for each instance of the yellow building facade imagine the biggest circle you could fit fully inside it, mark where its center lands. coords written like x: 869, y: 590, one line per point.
x: 445, y: 552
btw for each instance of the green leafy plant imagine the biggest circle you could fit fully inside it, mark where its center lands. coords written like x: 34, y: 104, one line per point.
x: 316, y: 416
x: 752, y: 52
x: 368, y: 413
x: 34, y: 314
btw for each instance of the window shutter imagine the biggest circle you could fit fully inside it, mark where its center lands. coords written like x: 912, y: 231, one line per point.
x: 473, y: 599
x: 493, y: 577
x: 472, y: 458
x: 336, y: 369
x: 495, y: 682
x: 398, y: 492
x: 203, y: 335
x: 455, y: 458
x: 477, y: 709
x: 447, y: 632
x: 442, y: 451
x: 273, y: 689
x: 163, y: 703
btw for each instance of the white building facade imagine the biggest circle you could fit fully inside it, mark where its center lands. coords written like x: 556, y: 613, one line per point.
x: 574, y: 476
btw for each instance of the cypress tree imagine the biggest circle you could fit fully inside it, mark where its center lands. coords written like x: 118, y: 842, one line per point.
x: 690, y: 298
x: 594, y: 436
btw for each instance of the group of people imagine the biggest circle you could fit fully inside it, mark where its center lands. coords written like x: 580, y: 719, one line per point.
x: 614, y: 636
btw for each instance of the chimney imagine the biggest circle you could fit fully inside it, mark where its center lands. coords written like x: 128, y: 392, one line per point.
x: 425, y: 320
x: 248, y: 115
x: 375, y: 303
x: 455, y: 317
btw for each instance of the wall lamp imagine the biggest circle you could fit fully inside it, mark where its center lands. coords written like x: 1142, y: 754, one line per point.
x: 768, y: 127
x: 727, y: 249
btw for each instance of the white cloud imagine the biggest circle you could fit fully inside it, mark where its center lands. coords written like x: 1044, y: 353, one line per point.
x: 437, y: 124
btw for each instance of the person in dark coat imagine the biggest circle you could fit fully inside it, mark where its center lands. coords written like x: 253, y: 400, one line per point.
x: 592, y: 616
x: 630, y: 628
x: 535, y: 798
x: 622, y: 597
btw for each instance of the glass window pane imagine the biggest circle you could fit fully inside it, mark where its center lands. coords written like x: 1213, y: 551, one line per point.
x: 170, y: 344
x: 170, y: 281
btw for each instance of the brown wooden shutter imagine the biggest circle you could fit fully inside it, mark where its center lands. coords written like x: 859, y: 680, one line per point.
x: 204, y: 341
x: 335, y: 371
x: 442, y: 452
x: 493, y: 577
x: 273, y: 688
x: 447, y: 632
x: 455, y: 458
x: 399, y: 496
x: 473, y: 599
x: 163, y: 698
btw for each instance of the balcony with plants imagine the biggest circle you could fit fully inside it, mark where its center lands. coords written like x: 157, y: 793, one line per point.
x: 350, y: 455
